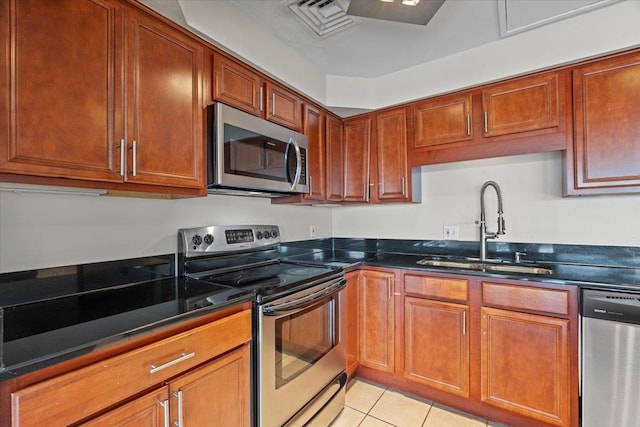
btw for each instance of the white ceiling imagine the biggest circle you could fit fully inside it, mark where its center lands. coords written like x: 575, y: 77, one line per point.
x: 374, y: 47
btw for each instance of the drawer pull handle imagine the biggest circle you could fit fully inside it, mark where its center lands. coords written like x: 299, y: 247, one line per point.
x: 184, y: 356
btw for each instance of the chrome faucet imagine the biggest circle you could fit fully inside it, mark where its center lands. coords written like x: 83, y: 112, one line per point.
x: 484, y: 236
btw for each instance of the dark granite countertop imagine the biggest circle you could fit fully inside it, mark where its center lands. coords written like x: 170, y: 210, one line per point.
x: 51, y: 315
x: 608, y: 267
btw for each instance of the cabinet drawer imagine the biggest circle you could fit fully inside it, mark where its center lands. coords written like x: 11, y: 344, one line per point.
x: 78, y: 394
x: 555, y: 301
x: 436, y: 287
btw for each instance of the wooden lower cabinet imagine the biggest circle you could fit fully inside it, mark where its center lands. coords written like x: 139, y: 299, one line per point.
x: 436, y: 344
x: 376, y: 317
x: 351, y: 314
x: 525, y: 364
x: 146, y: 411
x: 199, y: 377
x: 504, y: 350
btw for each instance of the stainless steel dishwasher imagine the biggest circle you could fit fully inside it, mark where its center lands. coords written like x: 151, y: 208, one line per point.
x: 610, y: 359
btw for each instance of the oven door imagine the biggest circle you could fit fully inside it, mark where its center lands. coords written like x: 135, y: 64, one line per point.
x: 301, y: 355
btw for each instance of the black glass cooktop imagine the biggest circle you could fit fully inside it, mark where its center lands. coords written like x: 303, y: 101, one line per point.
x: 273, y: 280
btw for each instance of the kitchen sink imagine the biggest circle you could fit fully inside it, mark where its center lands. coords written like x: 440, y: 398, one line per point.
x: 489, y: 265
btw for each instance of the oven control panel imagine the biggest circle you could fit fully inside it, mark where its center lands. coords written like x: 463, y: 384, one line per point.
x: 218, y: 239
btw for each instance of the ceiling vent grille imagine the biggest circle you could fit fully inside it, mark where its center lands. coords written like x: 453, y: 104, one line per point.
x: 325, y: 17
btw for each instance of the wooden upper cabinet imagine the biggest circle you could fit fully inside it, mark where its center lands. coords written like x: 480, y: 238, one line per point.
x: 393, y: 175
x: 64, y: 99
x: 605, y: 155
x: 81, y: 111
x: 526, y: 104
x: 239, y: 86
x: 236, y: 85
x: 283, y: 107
x: 442, y: 120
x: 165, y: 120
x: 519, y: 350
x: 376, y: 320
x: 335, y: 159
x: 357, y: 142
x: 314, y: 128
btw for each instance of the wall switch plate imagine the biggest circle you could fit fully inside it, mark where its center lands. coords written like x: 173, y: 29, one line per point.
x: 451, y: 232
x: 312, y: 231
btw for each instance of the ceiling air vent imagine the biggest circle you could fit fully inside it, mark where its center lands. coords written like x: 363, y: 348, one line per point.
x: 325, y: 17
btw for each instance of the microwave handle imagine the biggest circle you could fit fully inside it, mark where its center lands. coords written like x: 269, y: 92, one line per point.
x: 296, y: 180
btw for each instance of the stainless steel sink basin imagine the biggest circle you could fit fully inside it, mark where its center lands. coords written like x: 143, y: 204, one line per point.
x: 492, y: 265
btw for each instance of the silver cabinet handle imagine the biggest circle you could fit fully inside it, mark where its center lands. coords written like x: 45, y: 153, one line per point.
x: 464, y: 323
x: 123, y: 147
x: 134, y: 160
x: 178, y: 395
x: 402, y: 180
x: 310, y: 184
x: 165, y: 410
x: 486, y: 122
x: 260, y: 98
x: 183, y: 357
x: 469, y: 125
x: 273, y: 104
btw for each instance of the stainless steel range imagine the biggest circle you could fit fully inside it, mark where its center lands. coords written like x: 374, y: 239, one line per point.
x: 299, y: 350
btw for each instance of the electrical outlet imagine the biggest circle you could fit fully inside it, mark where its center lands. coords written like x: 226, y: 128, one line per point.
x: 312, y: 231
x: 451, y: 232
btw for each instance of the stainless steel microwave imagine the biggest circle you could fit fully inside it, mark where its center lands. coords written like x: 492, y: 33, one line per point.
x: 252, y: 156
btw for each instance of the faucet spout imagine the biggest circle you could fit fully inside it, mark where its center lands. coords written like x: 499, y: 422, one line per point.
x: 484, y: 235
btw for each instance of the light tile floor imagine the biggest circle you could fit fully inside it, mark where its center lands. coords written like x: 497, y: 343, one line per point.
x: 373, y: 405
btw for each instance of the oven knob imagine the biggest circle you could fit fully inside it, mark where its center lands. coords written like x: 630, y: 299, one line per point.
x: 208, y: 239
x: 259, y: 235
x: 196, y: 240
x: 274, y: 233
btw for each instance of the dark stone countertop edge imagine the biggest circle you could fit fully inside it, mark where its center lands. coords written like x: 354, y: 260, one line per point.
x: 19, y: 369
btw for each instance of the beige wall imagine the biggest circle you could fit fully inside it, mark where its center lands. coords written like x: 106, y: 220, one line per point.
x: 42, y: 230
x: 534, y: 208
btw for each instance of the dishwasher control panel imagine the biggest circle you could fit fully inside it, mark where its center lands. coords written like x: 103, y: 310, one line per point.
x: 611, y: 305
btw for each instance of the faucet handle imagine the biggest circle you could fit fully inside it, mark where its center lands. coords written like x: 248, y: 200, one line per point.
x: 501, y: 225
x: 517, y: 256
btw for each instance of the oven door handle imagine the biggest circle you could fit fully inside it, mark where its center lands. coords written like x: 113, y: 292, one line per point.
x: 306, y: 301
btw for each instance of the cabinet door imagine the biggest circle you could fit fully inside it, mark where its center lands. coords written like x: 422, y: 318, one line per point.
x: 314, y: 128
x: 437, y: 345
x: 391, y: 141
x: 214, y: 395
x: 357, y: 139
x: 335, y: 160
x: 607, y: 140
x: 525, y: 364
x: 351, y: 303
x: 63, y: 97
x: 165, y: 143
x: 283, y: 107
x: 526, y: 104
x: 376, y: 320
x: 237, y: 86
x: 150, y: 410
x: 442, y: 120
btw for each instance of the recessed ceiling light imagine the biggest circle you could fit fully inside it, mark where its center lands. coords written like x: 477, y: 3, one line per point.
x: 410, y: 2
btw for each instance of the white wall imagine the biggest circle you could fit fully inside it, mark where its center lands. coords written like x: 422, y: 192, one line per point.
x: 44, y: 230
x: 603, y: 30
x: 534, y: 208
